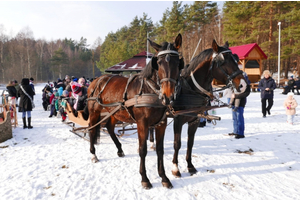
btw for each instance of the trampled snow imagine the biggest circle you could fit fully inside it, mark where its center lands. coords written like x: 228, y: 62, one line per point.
x: 50, y: 162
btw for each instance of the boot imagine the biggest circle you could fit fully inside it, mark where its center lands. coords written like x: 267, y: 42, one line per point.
x: 24, y: 123
x: 29, y: 123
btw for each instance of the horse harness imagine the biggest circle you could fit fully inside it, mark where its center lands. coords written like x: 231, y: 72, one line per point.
x: 140, y: 100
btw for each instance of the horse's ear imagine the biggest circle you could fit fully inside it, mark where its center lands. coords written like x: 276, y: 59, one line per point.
x: 154, y: 45
x: 178, y: 41
x: 226, y: 45
x: 215, y: 46
x: 181, y: 64
x: 154, y: 64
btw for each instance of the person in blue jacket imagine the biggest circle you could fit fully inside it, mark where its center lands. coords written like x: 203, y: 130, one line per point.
x: 267, y: 86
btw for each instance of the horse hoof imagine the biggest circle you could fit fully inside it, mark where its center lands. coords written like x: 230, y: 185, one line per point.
x: 147, y: 185
x: 167, y: 185
x: 192, y: 171
x: 121, y: 154
x: 177, y: 174
x: 152, y: 148
x: 94, y: 159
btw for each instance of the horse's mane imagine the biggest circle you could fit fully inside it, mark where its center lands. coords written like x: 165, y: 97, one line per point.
x: 148, y: 71
x: 200, y: 58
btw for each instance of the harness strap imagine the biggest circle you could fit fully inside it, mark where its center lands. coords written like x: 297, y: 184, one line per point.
x: 102, y: 120
x: 128, y: 82
x: 201, y: 88
x: 106, y: 84
x: 97, y: 85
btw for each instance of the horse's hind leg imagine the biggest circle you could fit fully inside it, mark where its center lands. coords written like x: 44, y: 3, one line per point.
x: 191, y: 137
x: 110, y: 128
x: 151, y: 132
x: 93, y: 136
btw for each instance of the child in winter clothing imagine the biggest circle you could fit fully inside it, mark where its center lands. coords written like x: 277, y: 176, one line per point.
x: 290, y: 105
x: 60, y: 104
x: 53, y: 110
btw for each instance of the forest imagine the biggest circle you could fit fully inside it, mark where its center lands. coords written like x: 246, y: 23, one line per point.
x: 239, y: 22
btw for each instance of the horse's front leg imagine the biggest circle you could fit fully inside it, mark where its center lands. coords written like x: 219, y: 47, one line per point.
x: 192, y: 128
x: 159, y: 136
x: 111, y: 130
x: 142, y: 128
x: 177, y: 126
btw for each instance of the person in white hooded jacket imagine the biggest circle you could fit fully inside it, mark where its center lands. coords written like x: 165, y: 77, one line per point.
x: 290, y: 105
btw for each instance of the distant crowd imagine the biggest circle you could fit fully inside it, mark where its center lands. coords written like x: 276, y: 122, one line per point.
x: 71, y: 90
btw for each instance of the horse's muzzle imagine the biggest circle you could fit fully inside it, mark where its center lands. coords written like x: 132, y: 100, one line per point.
x: 167, y: 90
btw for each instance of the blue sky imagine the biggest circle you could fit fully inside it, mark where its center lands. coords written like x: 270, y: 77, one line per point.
x: 51, y: 20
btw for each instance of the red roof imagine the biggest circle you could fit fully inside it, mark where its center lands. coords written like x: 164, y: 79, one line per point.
x: 136, y: 63
x: 244, y: 50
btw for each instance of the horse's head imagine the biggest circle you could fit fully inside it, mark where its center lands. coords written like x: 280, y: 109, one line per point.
x: 168, y: 66
x: 224, y: 67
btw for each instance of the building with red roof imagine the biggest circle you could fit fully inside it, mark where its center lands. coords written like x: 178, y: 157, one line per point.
x: 251, y: 56
x: 134, y: 64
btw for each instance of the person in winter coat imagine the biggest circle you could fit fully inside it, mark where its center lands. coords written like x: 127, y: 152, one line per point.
x: 267, y: 86
x: 239, y: 101
x: 26, y: 101
x: 297, y: 85
x: 53, y: 109
x: 60, y: 106
x: 290, y: 105
x: 12, y: 93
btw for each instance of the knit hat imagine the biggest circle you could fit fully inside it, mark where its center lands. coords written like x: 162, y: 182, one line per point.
x: 56, y: 94
x: 76, y: 88
x: 290, y: 94
x: 65, y: 93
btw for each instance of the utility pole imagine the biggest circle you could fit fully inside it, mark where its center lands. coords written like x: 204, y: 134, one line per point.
x: 279, y: 24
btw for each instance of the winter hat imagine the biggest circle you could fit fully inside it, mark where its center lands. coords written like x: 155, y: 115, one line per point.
x: 290, y: 94
x: 65, y: 93
x: 76, y: 88
x: 56, y: 94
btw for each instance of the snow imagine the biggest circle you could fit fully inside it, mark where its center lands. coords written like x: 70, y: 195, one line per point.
x: 50, y: 162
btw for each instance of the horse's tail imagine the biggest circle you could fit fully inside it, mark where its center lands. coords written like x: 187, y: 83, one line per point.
x: 86, y: 113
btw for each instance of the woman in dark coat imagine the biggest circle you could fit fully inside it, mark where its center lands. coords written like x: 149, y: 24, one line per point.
x: 25, y: 104
x: 267, y: 86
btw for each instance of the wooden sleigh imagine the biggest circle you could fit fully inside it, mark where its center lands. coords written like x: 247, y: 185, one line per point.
x: 5, y: 124
x: 84, y: 124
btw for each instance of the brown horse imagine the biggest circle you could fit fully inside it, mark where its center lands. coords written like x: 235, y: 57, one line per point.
x: 156, y: 81
x: 196, y: 90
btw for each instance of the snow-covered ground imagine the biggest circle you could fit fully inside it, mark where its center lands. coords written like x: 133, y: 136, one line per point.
x: 50, y: 162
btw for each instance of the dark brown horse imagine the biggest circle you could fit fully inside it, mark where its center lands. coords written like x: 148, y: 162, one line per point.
x: 196, y: 91
x: 154, y: 86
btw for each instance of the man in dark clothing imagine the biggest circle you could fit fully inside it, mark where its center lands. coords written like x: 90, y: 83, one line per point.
x: 267, y: 86
x: 297, y: 85
x: 238, y: 114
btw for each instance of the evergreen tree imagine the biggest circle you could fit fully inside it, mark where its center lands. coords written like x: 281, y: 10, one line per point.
x: 59, y: 59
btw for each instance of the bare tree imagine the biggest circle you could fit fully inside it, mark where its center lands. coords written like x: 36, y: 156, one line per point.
x: 3, y: 40
x: 40, y: 44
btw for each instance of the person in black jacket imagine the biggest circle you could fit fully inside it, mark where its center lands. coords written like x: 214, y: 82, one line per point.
x: 26, y: 94
x: 267, y: 86
x: 297, y: 85
x: 12, y: 93
x: 238, y: 112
